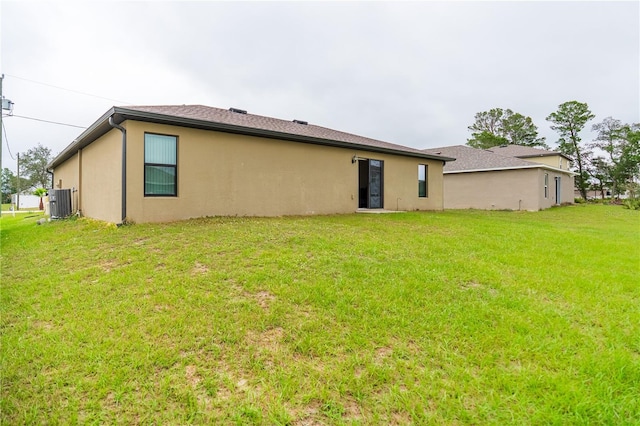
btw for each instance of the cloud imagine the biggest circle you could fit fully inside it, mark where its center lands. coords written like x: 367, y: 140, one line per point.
x: 413, y: 73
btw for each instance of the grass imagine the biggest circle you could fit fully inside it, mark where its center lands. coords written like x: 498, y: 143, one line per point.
x: 7, y: 208
x: 457, y: 317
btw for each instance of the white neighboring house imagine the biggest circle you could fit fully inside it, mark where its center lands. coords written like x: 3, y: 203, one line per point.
x: 27, y: 201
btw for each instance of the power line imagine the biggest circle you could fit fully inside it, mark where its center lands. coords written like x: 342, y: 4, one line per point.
x: 45, y: 121
x: 6, y: 139
x: 68, y: 90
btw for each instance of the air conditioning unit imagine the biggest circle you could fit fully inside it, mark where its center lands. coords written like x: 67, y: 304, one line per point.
x: 60, y: 203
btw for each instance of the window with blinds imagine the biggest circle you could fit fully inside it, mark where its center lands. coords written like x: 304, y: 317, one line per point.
x: 160, y: 165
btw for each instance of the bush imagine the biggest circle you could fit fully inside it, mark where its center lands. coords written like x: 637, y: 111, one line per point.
x: 631, y: 204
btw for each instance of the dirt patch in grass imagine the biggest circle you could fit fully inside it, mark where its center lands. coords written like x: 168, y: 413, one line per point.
x: 345, y: 409
x: 269, y: 339
x: 400, y: 418
x: 309, y: 415
x: 107, y: 265
x: 234, y: 383
x: 223, y: 394
x: 43, y: 325
x: 199, y: 269
x: 109, y: 402
x: 352, y: 410
x: 308, y: 422
x: 474, y: 285
x: 382, y: 354
x: 191, y: 374
x: 469, y: 285
x: 242, y: 385
x: 264, y: 299
x: 358, y: 372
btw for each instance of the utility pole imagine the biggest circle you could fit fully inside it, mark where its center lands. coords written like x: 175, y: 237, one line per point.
x: 18, y: 185
x: 6, y: 105
x: 1, y: 128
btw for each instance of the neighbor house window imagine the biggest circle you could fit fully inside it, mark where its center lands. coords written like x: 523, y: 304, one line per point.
x: 422, y: 180
x: 546, y: 185
x: 160, y: 166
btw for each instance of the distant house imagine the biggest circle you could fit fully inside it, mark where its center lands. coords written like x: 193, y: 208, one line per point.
x: 594, y: 194
x: 537, y: 155
x: 165, y: 163
x: 505, y: 178
x: 26, y: 200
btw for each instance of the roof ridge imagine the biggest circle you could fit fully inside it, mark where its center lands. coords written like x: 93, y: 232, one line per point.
x: 283, y: 121
x: 524, y: 147
x: 209, y: 107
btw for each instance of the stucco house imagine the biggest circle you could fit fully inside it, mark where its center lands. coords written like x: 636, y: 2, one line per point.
x: 537, y: 155
x: 166, y: 163
x: 507, y: 177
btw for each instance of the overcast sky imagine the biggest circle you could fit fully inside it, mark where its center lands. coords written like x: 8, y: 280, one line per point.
x: 411, y: 73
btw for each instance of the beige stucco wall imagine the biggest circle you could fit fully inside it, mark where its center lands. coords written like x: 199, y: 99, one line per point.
x: 102, y: 178
x: 67, y: 176
x: 95, y: 172
x: 556, y: 161
x: 566, y: 188
x: 222, y: 174
x: 521, y: 189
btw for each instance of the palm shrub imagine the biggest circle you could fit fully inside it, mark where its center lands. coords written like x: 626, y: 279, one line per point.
x: 40, y: 192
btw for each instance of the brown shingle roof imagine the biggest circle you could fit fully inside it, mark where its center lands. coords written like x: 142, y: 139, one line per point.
x: 468, y: 159
x: 206, y: 117
x: 253, y: 121
x: 523, y: 151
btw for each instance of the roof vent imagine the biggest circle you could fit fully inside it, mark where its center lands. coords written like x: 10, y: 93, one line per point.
x: 300, y: 122
x: 239, y: 111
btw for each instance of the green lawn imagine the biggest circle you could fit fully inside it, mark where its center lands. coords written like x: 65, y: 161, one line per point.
x: 457, y: 317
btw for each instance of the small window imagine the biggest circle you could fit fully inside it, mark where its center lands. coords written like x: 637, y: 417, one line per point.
x: 546, y: 185
x: 160, y: 165
x: 422, y: 180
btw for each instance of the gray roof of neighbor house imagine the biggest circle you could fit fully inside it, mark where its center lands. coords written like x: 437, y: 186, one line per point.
x: 521, y: 151
x: 235, y: 121
x: 470, y: 159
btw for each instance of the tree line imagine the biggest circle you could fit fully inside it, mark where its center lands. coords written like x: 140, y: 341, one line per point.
x: 33, y: 175
x: 611, y: 160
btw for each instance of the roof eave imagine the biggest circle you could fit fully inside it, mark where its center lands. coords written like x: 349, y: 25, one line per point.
x: 91, y: 133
